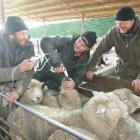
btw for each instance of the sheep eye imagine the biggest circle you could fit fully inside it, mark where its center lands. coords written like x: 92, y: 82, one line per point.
x: 125, y: 99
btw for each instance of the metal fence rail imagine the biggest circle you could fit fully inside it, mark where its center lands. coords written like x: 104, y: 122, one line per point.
x: 48, y: 120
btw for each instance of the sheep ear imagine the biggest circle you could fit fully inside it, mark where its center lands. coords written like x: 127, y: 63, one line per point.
x: 44, y: 86
x: 42, y: 83
x: 36, y: 82
x: 95, y: 93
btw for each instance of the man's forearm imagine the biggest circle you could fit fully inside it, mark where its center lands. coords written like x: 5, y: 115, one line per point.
x: 10, y: 74
x: 94, y: 60
x: 92, y: 64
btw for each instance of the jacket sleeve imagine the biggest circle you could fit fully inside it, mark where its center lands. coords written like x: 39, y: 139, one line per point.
x: 7, y: 74
x: 79, y: 74
x: 14, y: 74
x: 105, y: 45
x: 51, y: 47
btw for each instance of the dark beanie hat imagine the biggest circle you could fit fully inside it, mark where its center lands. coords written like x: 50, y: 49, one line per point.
x: 125, y: 13
x: 14, y: 24
x: 89, y: 38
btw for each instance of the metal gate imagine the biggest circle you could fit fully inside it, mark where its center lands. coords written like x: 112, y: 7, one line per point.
x: 5, y: 128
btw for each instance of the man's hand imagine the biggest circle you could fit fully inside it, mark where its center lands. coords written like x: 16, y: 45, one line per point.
x: 136, y: 85
x: 59, y: 69
x: 13, y: 96
x: 27, y: 65
x: 69, y: 84
x: 89, y: 75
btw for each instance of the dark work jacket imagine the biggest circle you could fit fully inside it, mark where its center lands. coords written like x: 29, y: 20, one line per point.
x: 10, y: 58
x: 61, y: 49
x: 127, y: 49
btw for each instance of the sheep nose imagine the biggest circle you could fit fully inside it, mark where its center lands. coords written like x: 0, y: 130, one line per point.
x: 38, y: 98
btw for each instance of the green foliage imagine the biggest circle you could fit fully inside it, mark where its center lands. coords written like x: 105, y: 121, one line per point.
x: 100, y: 26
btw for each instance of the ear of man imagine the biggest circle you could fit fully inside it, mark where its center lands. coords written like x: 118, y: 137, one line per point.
x: 11, y: 37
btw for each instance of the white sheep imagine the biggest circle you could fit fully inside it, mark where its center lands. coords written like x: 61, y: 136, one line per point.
x: 20, y: 121
x: 127, y: 96
x: 126, y: 129
x: 102, y: 113
x: 66, y: 99
x: 62, y: 135
x: 49, y: 99
x: 69, y: 99
x: 99, y: 116
x: 33, y: 93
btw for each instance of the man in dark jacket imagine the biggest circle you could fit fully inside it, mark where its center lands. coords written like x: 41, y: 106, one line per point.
x: 71, y: 54
x: 125, y: 37
x: 15, y: 54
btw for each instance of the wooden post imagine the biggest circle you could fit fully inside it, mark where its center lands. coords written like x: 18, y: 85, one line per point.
x: 2, y: 12
x: 44, y: 28
x: 82, y: 25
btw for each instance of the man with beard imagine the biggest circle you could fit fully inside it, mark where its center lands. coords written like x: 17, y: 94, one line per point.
x: 15, y: 53
x: 67, y: 53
